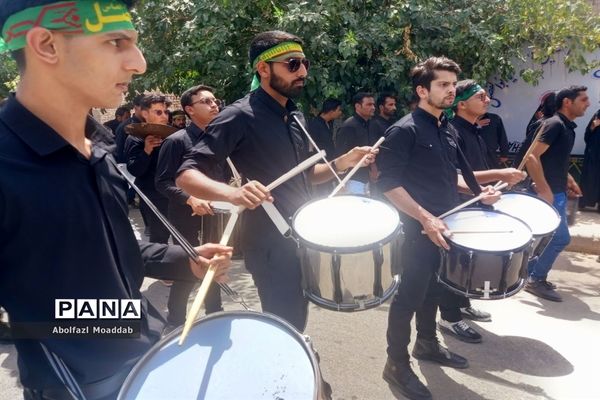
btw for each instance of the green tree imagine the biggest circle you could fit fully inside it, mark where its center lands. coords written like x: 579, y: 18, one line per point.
x: 8, y: 75
x: 360, y: 44
x: 368, y: 44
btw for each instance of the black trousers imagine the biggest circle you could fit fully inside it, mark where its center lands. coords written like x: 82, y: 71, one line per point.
x: 450, y: 305
x: 158, y: 232
x: 278, y: 278
x: 418, y: 293
x: 180, y: 291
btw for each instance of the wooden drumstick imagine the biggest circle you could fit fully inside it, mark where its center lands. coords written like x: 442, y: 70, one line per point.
x: 471, y: 201
x: 538, y: 132
x: 355, y: 168
x: 208, y: 278
x: 206, y: 282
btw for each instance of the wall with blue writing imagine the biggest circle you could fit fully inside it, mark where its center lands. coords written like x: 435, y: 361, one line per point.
x: 516, y: 101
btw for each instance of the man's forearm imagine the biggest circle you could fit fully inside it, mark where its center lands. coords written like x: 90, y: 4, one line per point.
x: 201, y: 186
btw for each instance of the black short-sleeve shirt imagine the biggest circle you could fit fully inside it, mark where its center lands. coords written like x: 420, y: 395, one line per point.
x: 559, y: 133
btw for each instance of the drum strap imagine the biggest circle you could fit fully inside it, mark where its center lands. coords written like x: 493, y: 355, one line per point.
x: 63, y: 373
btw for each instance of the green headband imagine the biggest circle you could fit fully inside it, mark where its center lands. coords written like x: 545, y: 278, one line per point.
x: 272, y: 53
x: 464, y: 96
x: 76, y: 17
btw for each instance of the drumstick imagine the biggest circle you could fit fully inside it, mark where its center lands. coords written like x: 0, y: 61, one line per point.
x: 451, y: 232
x: 309, y: 162
x: 237, y: 178
x: 177, y: 236
x: 471, y: 201
x: 206, y: 281
x: 355, y: 168
x: 538, y: 132
x: 311, y: 140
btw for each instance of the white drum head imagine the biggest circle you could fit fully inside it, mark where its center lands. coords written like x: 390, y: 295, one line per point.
x: 487, y: 230
x: 346, y: 222
x: 541, y: 217
x: 228, y: 355
x: 222, y: 207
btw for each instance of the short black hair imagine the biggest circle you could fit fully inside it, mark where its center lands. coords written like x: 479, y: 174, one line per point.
x: 177, y: 113
x: 330, y: 104
x: 463, y: 86
x: 137, y: 100
x: 152, y: 98
x: 358, y: 97
x: 383, y: 96
x: 122, y: 111
x: 186, y: 97
x: 570, y: 93
x: 424, y: 72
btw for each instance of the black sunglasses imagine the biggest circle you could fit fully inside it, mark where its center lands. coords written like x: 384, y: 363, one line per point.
x: 293, y: 64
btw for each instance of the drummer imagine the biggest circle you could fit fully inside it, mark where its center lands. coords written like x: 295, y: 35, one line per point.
x: 419, y: 176
x: 471, y: 102
x: 188, y: 213
x: 64, y: 231
x: 260, y: 136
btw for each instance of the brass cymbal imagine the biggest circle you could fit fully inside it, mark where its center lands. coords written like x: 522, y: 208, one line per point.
x: 144, y: 129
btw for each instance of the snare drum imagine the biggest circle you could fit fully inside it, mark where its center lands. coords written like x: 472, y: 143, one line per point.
x: 542, y: 218
x: 488, y: 255
x: 228, y: 355
x: 346, y: 251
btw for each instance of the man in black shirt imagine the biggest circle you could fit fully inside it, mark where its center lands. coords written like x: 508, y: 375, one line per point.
x: 321, y: 130
x: 263, y: 141
x: 470, y: 104
x: 121, y: 135
x: 141, y: 156
x: 356, y: 131
x: 386, y: 104
x: 64, y: 231
x: 187, y: 212
x: 178, y: 119
x: 121, y: 114
x: 494, y: 136
x: 548, y: 167
x: 418, y: 174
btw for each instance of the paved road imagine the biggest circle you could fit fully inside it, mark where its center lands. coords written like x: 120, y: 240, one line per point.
x: 532, y: 349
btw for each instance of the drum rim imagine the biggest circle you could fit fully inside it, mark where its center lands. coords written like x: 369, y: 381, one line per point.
x: 514, y: 250
x: 346, y: 250
x: 245, y: 313
x: 537, y: 198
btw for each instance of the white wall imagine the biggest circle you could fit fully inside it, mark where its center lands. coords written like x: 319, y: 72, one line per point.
x: 515, y: 100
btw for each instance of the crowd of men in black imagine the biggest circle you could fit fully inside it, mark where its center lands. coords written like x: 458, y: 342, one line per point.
x: 182, y: 174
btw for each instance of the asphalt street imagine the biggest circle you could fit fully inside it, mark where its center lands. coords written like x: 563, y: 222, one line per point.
x: 532, y: 348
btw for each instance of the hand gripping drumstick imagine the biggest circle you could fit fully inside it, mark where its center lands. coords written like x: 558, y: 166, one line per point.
x: 355, y: 168
x: 210, y: 274
x: 311, y: 140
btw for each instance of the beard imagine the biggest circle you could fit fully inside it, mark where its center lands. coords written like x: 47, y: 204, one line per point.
x: 440, y: 104
x: 284, y: 88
